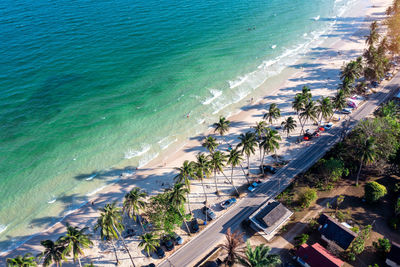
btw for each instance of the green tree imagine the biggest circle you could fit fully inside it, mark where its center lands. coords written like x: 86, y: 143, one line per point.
x: 373, y: 36
x: 222, y: 126
x: 53, y: 252
x: 202, y: 169
x: 217, y: 164
x: 352, y: 70
x: 308, y: 113
x: 307, y: 197
x: 235, y: 159
x: 273, y: 113
x: 75, y: 241
x: 374, y: 191
x: 324, y: 109
x: 390, y: 109
x: 339, y: 101
x: 22, y: 261
x: 358, y: 245
x: 366, y: 154
x: 111, y: 227
x: 184, y: 175
x: 289, y: 125
x: 339, y: 200
x: 260, y: 129
x: 149, y: 242
x: 134, y: 201
x: 210, y: 143
x: 259, y: 257
x: 232, y: 246
x: 247, y: 144
x: 269, y: 144
x: 301, y: 239
x: 298, y: 105
x: 382, y: 246
x: 177, y: 199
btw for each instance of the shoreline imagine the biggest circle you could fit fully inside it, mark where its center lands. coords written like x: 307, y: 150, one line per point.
x: 158, y: 169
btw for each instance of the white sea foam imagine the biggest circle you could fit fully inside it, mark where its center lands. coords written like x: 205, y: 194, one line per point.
x: 167, y: 141
x: 240, y: 80
x: 136, y: 153
x: 91, y: 177
x: 95, y: 191
x: 305, y: 34
x: 317, y: 18
x: 215, y: 94
x: 273, y: 46
x: 3, y: 228
x: 146, y: 159
x: 52, y: 200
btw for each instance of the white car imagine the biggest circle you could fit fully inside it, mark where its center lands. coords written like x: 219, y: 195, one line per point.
x: 347, y: 111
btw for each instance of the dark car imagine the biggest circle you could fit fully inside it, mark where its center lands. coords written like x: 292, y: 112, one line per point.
x: 269, y: 169
x: 194, y: 226
x: 227, y: 203
x: 374, y: 84
x: 178, y: 239
x: 210, y: 214
x: 160, y: 252
x: 168, y: 242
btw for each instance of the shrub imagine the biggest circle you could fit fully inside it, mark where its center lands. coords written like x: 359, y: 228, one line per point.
x: 342, y: 216
x: 355, y: 229
x: 358, y: 245
x: 382, y: 246
x: 307, y: 197
x: 313, y: 224
x: 301, y: 239
x: 374, y: 191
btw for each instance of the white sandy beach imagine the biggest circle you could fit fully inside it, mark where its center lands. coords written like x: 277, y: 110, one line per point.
x: 319, y: 70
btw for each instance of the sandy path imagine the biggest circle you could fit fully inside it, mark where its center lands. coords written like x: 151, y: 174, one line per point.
x: 319, y: 71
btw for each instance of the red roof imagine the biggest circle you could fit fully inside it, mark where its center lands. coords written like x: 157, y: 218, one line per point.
x: 316, y: 256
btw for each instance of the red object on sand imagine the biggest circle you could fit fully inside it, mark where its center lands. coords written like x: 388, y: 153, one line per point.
x: 321, y: 129
x: 305, y: 138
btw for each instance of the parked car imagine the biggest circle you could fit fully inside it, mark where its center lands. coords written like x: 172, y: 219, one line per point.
x: 328, y: 126
x: 253, y: 186
x: 177, y: 238
x: 374, y: 84
x: 194, y: 226
x: 347, y: 111
x: 227, y: 203
x: 210, y: 214
x: 269, y: 169
x: 160, y: 252
x: 168, y: 243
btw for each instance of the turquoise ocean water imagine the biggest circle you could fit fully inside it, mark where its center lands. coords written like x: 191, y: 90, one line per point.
x: 88, y: 86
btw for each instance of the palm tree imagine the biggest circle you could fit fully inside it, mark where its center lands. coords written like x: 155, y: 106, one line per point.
x: 289, y: 125
x: 339, y: 101
x: 217, y: 163
x: 233, y: 245
x: 222, y: 126
x: 298, y: 105
x: 259, y: 257
x: 53, y: 252
x: 210, y: 143
x: 260, y: 129
x: 202, y: 169
x: 309, y: 112
x: 22, y: 261
x: 324, y: 108
x: 133, y: 202
x: 270, y: 143
x: 235, y: 159
x: 352, y: 70
x: 273, y: 113
x: 149, y: 242
x: 111, y: 227
x: 75, y: 241
x: 373, y: 36
x: 177, y: 199
x: 248, y: 144
x: 306, y: 93
x: 185, y: 172
x: 366, y: 153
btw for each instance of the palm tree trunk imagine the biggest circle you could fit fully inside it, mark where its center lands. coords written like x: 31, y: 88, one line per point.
x: 248, y: 165
x: 262, y: 160
x: 188, y: 202
x: 358, y: 174
x: 204, y: 190
x: 231, y: 182
x: 247, y: 178
x: 115, y: 251
x: 79, y: 261
x: 184, y: 220
x: 126, y: 247
x: 215, y: 181
x: 140, y: 222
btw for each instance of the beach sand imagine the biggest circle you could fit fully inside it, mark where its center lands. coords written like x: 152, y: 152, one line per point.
x: 319, y: 70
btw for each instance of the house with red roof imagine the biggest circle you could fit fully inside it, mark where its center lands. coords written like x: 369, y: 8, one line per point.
x: 316, y: 256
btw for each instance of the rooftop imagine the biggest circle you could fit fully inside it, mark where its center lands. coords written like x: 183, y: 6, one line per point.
x: 316, y: 256
x: 333, y: 230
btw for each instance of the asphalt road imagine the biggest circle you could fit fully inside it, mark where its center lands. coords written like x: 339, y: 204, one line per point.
x: 199, y: 246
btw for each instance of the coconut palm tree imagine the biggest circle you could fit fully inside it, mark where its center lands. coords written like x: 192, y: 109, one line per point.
x: 233, y: 246
x: 149, y: 242
x: 309, y: 112
x: 217, y: 163
x: 339, y: 101
x: 184, y: 175
x: 373, y: 36
x: 222, y: 126
x: 111, y: 227
x: 259, y: 257
x: 306, y: 93
x: 273, y: 113
x: 176, y: 196
x: 133, y: 202
x: 210, y: 143
x: 352, y: 70
x: 202, y: 169
x: 298, y: 106
x: 248, y: 144
x: 366, y: 154
x: 324, y: 108
x: 235, y: 159
x: 289, y: 125
x: 22, y: 261
x: 75, y: 241
x: 53, y: 252
x: 260, y: 129
x: 270, y: 143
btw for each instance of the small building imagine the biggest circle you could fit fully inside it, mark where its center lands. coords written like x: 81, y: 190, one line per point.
x: 393, y: 258
x: 316, y: 256
x: 333, y: 230
x: 269, y: 218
